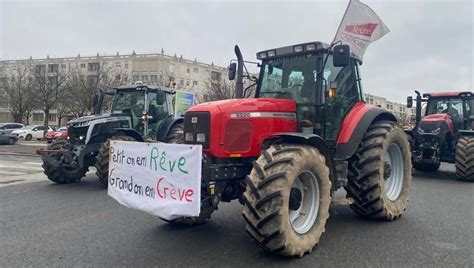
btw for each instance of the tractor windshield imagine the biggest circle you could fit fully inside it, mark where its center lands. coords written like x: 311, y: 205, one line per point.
x: 290, y: 78
x: 452, y: 106
x: 132, y: 103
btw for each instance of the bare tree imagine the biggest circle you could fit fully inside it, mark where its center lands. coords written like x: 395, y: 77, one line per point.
x: 83, y: 84
x: 49, y: 85
x: 18, y: 89
x: 218, y: 88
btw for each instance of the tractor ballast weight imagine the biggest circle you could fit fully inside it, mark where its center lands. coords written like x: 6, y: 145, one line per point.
x: 139, y: 112
x: 306, y: 133
x: 445, y: 133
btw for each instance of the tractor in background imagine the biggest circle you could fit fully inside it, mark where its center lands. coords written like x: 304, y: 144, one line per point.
x: 445, y: 133
x: 138, y: 113
x: 307, y: 132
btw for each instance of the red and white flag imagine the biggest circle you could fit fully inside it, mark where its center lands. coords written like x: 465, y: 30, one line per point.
x: 359, y: 27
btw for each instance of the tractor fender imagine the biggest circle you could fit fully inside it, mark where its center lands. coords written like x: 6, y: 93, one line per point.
x: 354, y: 127
x: 310, y: 139
x: 129, y: 132
x: 165, y: 127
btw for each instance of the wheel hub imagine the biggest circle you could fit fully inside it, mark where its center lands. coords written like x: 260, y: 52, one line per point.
x: 393, y: 172
x: 304, y: 202
x: 295, y: 199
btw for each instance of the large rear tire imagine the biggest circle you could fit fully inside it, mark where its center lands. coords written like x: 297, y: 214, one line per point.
x: 287, y: 199
x: 380, y: 173
x: 102, y: 158
x: 54, y: 168
x: 465, y: 158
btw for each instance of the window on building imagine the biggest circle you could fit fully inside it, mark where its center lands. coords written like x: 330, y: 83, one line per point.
x: 187, y: 82
x: 53, y: 68
x: 136, y: 78
x: 40, y: 69
x: 181, y: 82
x: 83, y: 65
x: 117, y: 77
x: 144, y: 78
x: 188, y: 70
x: 195, y: 83
x: 63, y: 66
x: 126, y: 65
x: 38, y: 117
x: 93, y: 66
x: 125, y: 78
x: 52, y: 118
x: 215, y: 75
x: 195, y: 70
x: 153, y: 78
x: 118, y: 65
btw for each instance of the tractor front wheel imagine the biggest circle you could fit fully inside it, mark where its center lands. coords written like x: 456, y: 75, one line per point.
x: 465, y: 158
x: 380, y: 173
x: 102, y: 158
x: 287, y: 199
x: 55, y: 168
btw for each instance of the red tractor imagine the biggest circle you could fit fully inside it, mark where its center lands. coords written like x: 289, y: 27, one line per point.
x: 445, y: 134
x: 306, y: 133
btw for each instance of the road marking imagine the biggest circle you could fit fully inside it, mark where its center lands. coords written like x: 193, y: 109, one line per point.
x: 18, y: 167
x: 33, y: 163
x: 12, y: 173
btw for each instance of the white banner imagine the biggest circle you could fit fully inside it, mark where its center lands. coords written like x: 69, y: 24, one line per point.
x: 359, y: 27
x: 158, y: 178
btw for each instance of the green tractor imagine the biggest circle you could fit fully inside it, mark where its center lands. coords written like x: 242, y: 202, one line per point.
x: 138, y: 113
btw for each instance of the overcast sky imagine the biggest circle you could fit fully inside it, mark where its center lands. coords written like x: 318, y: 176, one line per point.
x: 429, y: 47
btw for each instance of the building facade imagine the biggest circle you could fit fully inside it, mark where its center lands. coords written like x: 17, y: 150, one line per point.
x: 403, y: 114
x: 155, y: 69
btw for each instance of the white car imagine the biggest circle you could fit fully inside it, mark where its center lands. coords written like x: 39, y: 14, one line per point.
x: 31, y: 132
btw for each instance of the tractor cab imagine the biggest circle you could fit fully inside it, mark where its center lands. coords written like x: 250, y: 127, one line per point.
x: 146, y: 106
x: 323, y: 81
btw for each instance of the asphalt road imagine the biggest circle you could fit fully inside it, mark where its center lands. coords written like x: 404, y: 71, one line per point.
x: 44, y: 224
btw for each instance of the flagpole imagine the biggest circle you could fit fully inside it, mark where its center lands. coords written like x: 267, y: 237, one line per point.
x: 340, y: 23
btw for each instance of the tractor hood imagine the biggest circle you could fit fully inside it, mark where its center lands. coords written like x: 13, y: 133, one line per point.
x: 238, y: 127
x: 248, y: 105
x: 88, y: 118
x: 434, y: 121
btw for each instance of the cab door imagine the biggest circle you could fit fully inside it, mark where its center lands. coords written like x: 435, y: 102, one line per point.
x: 345, y: 83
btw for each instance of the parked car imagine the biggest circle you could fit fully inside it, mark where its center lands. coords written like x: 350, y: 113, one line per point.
x: 31, y: 132
x: 7, y: 138
x: 60, y: 133
x: 9, y: 127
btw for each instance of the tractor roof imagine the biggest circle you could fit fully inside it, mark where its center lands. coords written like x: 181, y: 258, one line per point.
x: 448, y: 94
x: 143, y: 86
x: 295, y: 49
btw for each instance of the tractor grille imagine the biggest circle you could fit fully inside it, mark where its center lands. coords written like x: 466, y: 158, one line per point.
x: 194, y: 123
x: 75, y: 132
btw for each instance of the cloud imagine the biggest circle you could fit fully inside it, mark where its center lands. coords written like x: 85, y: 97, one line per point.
x: 430, y: 46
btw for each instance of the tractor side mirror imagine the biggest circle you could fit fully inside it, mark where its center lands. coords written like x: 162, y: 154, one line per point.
x: 341, y: 55
x: 409, y: 102
x: 232, y: 70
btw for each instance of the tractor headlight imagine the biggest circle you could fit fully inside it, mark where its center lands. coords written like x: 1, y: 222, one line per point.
x: 81, y: 138
x: 201, y: 137
x: 188, y: 136
x: 436, y: 131
x: 420, y: 131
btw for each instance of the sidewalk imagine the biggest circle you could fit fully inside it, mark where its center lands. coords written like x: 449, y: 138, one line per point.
x: 27, y: 148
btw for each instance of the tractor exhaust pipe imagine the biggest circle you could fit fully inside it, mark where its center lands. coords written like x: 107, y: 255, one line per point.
x: 239, y: 83
x: 418, y: 107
